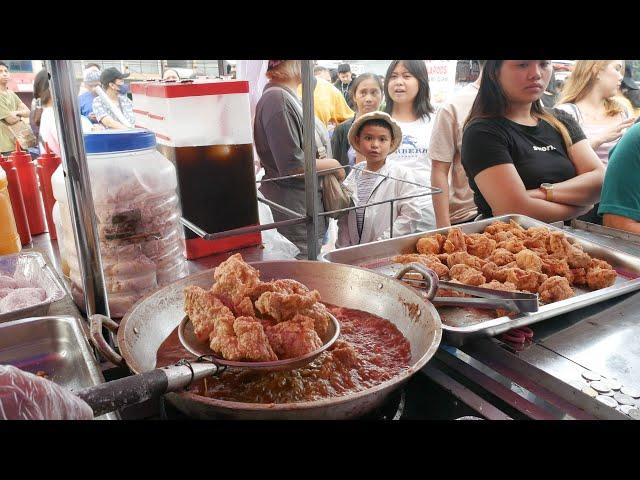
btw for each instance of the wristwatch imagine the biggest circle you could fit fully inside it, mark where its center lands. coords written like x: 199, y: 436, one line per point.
x: 548, y: 189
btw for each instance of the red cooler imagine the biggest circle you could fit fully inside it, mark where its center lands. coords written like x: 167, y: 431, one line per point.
x: 204, y: 128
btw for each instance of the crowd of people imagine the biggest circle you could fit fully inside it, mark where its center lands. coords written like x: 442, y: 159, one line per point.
x: 513, y: 141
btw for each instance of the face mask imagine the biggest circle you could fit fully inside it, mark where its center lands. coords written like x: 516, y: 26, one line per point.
x: 123, y: 89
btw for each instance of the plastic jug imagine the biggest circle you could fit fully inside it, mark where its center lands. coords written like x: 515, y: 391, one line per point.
x: 30, y: 191
x: 9, y: 238
x: 48, y: 162
x: 17, y: 203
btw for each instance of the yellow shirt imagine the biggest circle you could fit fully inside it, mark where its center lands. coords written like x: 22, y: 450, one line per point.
x: 328, y: 103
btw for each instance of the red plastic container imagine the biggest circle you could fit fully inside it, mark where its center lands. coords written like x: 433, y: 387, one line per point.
x: 30, y: 192
x: 47, y: 164
x: 17, y: 203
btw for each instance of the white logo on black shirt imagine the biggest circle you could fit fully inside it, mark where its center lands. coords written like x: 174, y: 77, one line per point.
x: 544, y: 149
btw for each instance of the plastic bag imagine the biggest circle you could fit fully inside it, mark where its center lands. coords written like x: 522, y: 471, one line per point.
x: 335, y: 196
x: 273, y: 240
x: 24, y: 396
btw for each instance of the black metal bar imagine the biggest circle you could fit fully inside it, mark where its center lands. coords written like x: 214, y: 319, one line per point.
x: 310, y: 174
x: 280, y: 208
x: 240, y: 231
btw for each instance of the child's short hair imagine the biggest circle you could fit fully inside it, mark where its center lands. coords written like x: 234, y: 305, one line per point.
x: 377, y: 122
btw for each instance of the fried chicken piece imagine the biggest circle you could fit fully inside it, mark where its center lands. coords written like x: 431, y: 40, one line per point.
x: 429, y: 261
x: 321, y: 319
x: 497, y: 227
x: 443, y: 257
x: 502, y: 236
x: 514, y: 245
x: 467, y: 275
x: 557, y: 266
x: 241, y: 339
x: 556, y: 245
x: 294, y: 338
x: 343, y: 352
x: 245, y: 308
x: 282, y: 306
x: 528, y: 260
x: 600, y: 278
x: 502, y: 256
x: 488, y: 270
x: 576, y: 258
x: 463, y: 258
x: 203, y: 307
x: 284, y: 286
x: 431, y: 245
x: 554, y: 289
x: 524, y: 280
x: 455, y: 241
x: 234, y: 278
x: 597, y: 263
x: 480, y: 245
x: 579, y: 276
x: 496, y: 285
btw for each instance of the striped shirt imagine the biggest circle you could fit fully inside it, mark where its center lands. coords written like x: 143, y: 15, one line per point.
x: 365, y: 183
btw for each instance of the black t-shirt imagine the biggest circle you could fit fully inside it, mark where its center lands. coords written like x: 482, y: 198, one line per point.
x: 538, y: 153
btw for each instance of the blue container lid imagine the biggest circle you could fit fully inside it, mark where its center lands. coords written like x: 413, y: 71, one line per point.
x: 111, y: 141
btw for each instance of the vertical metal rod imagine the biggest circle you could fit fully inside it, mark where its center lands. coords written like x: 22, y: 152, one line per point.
x: 221, y: 71
x: 391, y: 219
x: 310, y: 171
x: 79, y: 196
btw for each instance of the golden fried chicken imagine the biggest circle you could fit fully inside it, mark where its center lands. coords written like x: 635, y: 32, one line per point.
x: 502, y: 256
x: 463, y: 258
x: 557, y: 266
x: 285, y: 286
x: 514, y: 245
x: 443, y: 257
x: 528, y: 260
x: 597, y: 263
x: 554, y: 289
x: 245, y: 308
x: 203, y: 307
x: 294, y: 338
x: 241, y: 339
x: 321, y: 320
x: 576, y: 258
x: 234, y: 278
x: 455, y: 241
x: 579, y: 276
x: 480, y: 245
x: 488, y: 270
x: 284, y: 306
x: 496, y: 285
x: 429, y: 261
x: 431, y: 245
x: 600, y: 278
x: 496, y: 227
x: 502, y: 236
x: 524, y: 280
x: 467, y: 275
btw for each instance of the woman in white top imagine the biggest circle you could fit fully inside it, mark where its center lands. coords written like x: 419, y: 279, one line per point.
x: 46, y: 119
x: 374, y: 136
x: 588, y: 95
x: 407, y: 94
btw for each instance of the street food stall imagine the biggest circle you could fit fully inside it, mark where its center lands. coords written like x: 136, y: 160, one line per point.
x: 571, y: 358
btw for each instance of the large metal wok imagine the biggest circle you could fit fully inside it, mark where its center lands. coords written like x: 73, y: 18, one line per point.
x: 152, y: 319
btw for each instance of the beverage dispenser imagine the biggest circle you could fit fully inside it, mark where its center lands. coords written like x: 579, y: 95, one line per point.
x: 204, y: 128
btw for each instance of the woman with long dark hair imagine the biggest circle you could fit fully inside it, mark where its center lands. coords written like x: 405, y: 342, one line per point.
x: 521, y: 158
x: 408, y: 101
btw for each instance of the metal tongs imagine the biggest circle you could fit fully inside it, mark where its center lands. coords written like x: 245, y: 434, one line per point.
x: 487, y: 298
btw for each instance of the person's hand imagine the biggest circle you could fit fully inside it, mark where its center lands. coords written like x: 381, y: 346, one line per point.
x: 537, y: 193
x: 24, y: 396
x: 616, y: 131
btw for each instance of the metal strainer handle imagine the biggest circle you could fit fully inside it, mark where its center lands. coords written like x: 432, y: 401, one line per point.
x: 430, y: 277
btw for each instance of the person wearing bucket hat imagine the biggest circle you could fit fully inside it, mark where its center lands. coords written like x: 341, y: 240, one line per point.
x: 91, y: 80
x: 112, y: 82
x: 376, y: 135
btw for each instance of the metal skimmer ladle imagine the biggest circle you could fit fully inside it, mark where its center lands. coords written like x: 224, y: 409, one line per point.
x: 487, y: 298
x: 110, y: 396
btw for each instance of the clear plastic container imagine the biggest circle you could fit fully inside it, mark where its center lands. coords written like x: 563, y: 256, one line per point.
x: 137, y: 216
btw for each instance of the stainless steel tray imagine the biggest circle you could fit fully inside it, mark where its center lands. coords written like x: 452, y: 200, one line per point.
x: 54, y: 345
x: 31, y: 266
x: 460, y: 325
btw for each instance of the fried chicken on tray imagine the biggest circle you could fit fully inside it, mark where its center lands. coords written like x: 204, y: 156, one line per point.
x: 245, y: 319
x: 508, y: 257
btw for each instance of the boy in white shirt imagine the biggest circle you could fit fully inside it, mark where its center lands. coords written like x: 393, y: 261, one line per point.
x: 376, y: 135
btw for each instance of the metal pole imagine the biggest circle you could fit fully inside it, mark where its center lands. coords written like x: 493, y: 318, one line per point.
x: 310, y: 174
x: 221, y: 71
x: 74, y: 163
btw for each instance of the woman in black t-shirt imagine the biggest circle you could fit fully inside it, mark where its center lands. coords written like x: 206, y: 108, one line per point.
x: 521, y: 158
